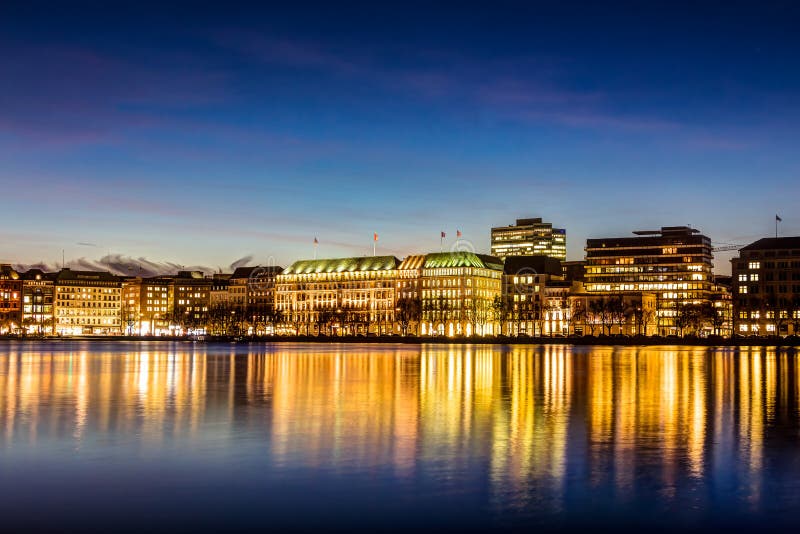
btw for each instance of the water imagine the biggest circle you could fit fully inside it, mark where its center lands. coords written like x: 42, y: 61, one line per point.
x: 187, y: 437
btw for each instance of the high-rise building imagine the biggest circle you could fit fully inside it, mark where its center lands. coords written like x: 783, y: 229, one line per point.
x: 674, y: 263
x: 766, y: 287
x: 529, y: 237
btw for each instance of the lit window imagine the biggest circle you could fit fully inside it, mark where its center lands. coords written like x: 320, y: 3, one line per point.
x: 754, y: 265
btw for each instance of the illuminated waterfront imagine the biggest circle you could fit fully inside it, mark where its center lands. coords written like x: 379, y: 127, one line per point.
x: 339, y: 436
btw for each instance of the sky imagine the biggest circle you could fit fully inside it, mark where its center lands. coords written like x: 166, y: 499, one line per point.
x: 221, y: 134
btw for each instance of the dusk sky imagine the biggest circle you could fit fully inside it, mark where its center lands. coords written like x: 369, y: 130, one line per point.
x: 202, y: 135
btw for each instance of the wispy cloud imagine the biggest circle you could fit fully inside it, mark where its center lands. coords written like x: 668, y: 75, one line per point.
x: 122, y: 265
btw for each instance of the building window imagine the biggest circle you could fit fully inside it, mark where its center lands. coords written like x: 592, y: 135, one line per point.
x: 754, y: 265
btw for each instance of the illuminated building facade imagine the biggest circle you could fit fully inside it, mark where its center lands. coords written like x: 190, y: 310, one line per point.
x: 338, y: 296
x: 459, y: 290
x: 674, y: 263
x: 766, y: 287
x: 529, y: 237
x: 219, y: 294
x: 237, y: 287
x: 38, y: 292
x: 722, y: 304
x: 526, y: 307
x: 147, y: 305
x: 628, y: 313
x: 10, y: 300
x: 260, y: 295
x: 87, y: 303
x: 192, y: 300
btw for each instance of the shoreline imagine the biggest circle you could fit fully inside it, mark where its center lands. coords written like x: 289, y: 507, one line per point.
x: 787, y: 342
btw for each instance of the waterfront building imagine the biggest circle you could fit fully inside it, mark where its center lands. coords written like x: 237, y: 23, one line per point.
x: 766, y: 287
x: 38, y: 293
x: 260, y: 310
x: 525, y: 306
x: 219, y: 295
x: 338, y: 296
x: 237, y: 288
x: 529, y: 237
x: 10, y: 300
x: 628, y: 313
x: 674, y: 263
x: 87, y: 303
x: 192, y: 299
x: 147, y: 305
x: 458, y: 293
x: 722, y: 306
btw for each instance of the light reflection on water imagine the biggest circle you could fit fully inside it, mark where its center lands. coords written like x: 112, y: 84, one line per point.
x: 398, y: 436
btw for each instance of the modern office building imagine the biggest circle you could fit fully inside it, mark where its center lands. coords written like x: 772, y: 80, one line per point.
x: 529, y: 237
x: 766, y: 287
x: 87, y: 303
x: 674, y: 263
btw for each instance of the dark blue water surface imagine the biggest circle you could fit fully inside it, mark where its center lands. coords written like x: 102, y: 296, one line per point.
x: 110, y: 437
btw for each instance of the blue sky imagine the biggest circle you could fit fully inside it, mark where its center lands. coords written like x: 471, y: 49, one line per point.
x: 200, y: 135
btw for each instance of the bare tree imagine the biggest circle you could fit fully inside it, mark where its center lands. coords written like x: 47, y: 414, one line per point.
x: 409, y: 311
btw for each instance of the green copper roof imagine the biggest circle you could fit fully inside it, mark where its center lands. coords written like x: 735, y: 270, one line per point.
x: 340, y: 265
x: 462, y: 259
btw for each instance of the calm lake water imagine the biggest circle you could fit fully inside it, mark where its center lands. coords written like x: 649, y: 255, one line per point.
x: 178, y: 436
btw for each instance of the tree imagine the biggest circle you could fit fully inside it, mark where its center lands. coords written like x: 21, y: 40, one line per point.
x: 793, y: 315
x: 691, y: 318
x: 600, y: 314
x: 409, y: 311
x: 615, y: 307
x: 576, y: 314
x: 714, y: 317
x: 500, y: 308
x: 127, y: 315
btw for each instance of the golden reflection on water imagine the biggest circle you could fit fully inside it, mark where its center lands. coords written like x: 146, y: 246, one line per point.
x: 524, y: 414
